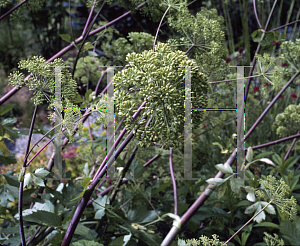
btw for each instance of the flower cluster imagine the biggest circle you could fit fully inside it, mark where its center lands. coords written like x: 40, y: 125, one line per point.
x: 276, y: 193
x: 270, y: 240
x: 288, y: 121
x: 160, y: 76
x: 205, y: 32
x: 42, y: 82
x: 204, y: 240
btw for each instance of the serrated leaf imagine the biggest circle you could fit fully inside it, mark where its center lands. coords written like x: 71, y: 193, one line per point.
x: 267, y: 161
x: 41, y: 172
x: 249, y: 156
x: 41, y: 217
x: 37, y: 180
x: 235, y: 185
x: 14, y: 191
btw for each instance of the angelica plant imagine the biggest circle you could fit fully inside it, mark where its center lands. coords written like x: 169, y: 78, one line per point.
x: 159, y: 78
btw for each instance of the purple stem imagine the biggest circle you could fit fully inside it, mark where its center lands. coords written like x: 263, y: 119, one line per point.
x: 159, y: 28
x: 256, y: 16
x: 13, y: 9
x: 23, y: 240
x: 205, y: 194
x: 66, y: 49
x: 284, y: 25
x: 88, y: 20
x: 151, y: 160
x: 82, y: 204
x: 174, y: 182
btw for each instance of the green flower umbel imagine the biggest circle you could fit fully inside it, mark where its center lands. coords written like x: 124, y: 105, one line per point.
x: 160, y: 76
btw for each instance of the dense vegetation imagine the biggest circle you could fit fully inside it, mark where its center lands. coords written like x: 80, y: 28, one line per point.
x: 155, y: 48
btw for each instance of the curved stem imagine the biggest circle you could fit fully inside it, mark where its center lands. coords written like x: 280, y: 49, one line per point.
x: 159, y: 27
x: 256, y: 16
x: 174, y: 183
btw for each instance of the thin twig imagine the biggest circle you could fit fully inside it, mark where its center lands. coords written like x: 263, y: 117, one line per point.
x: 174, y: 183
x: 22, y: 233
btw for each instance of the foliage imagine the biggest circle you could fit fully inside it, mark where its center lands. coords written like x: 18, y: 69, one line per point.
x: 141, y: 209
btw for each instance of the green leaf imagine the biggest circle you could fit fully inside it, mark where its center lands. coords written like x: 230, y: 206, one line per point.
x: 277, y: 159
x: 263, y: 155
x: 6, y: 108
x: 27, y: 179
x: 222, y: 190
x: 41, y: 217
x: 92, y: 53
x: 9, y: 121
x: 6, y: 160
x: 136, y: 168
x: 267, y: 224
x: 37, y: 180
x: 236, y: 237
x: 224, y: 168
x: 65, y: 37
x: 41, y: 172
x: 11, y: 179
x: 81, y: 230
x: 249, y: 156
x: 236, y: 184
x: 5, y: 151
x: 12, y: 190
x: 117, y: 242
x: 85, y: 182
x: 182, y: 242
x: 267, y: 161
x: 87, y: 93
x: 99, y: 206
x: 291, y: 230
x: 86, y: 243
